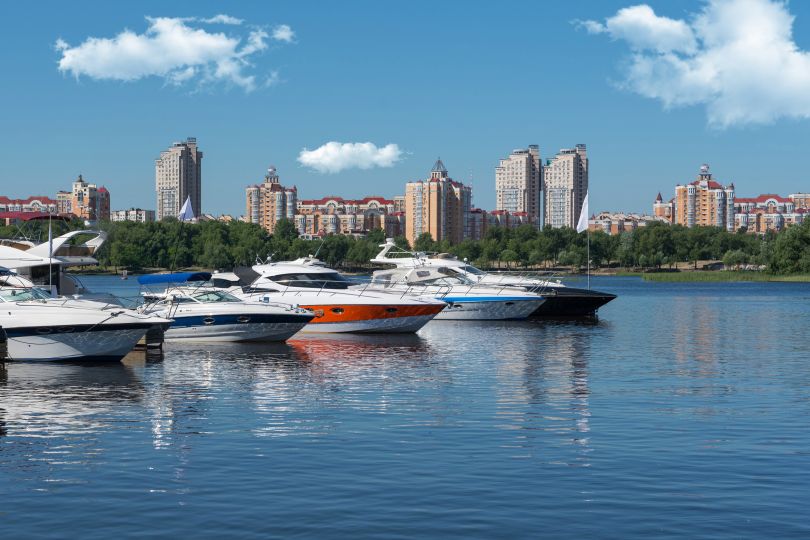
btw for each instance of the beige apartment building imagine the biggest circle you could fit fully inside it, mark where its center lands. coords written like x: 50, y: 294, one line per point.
x: 665, y: 210
x: 705, y: 202
x: 137, y: 215
x: 269, y: 202
x: 336, y: 215
x: 439, y: 206
x: 89, y: 202
x: 519, y: 184
x: 178, y: 175
x: 565, y: 179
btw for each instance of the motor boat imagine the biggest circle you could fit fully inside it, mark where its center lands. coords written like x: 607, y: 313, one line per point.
x: 466, y: 300
x: 561, y: 300
x: 206, y: 314
x: 339, y: 305
x: 38, y: 327
x: 45, y: 264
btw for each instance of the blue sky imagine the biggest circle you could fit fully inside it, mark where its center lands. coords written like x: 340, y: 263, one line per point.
x: 461, y: 80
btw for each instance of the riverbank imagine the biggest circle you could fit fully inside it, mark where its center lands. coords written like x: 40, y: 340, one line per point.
x: 717, y: 276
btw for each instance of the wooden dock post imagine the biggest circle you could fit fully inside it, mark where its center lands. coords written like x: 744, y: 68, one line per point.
x: 3, y: 345
x: 153, y: 339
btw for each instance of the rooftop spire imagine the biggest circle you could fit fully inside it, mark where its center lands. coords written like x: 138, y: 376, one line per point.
x: 438, y: 170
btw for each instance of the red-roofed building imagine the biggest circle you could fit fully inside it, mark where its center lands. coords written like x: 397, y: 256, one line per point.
x: 31, y: 204
x: 767, y: 212
x: 705, y: 202
x: 84, y: 201
x: 504, y: 218
x: 10, y: 218
x: 336, y: 215
x: 619, y: 222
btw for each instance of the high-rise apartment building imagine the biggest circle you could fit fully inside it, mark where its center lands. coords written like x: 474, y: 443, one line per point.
x: 705, y: 202
x: 269, y: 202
x: 519, y: 184
x: 178, y: 175
x: 565, y: 179
x: 439, y: 206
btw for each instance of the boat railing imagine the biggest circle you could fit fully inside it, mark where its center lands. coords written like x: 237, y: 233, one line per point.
x: 298, y: 287
x: 537, y: 281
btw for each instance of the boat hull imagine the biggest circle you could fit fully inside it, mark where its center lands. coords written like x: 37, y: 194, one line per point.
x: 488, y: 309
x: 568, y: 302
x: 232, y: 328
x: 93, y: 343
x: 371, y: 318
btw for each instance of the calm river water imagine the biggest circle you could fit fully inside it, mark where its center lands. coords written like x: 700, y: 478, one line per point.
x: 682, y: 413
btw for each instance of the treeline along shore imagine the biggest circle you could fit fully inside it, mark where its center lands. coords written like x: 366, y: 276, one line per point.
x: 170, y: 244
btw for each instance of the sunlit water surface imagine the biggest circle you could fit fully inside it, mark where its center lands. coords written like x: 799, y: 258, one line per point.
x: 682, y: 413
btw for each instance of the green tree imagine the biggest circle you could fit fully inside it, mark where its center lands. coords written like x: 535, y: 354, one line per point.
x: 424, y: 243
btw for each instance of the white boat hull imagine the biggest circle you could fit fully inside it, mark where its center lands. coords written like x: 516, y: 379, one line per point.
x: 234, y: 332
x: 393, y: 325
x: 506, y: 309
x: 112, y: 344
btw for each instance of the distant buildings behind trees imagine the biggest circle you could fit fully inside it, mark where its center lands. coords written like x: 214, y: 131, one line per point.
x: 706, y: 202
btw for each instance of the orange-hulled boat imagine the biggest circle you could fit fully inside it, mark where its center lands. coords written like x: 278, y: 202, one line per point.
x: 338, y: 305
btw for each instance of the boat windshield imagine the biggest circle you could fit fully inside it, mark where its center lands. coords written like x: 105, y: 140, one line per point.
x: 439, y: 276
x: 314, y: 280
x: 473, y: 270
x: 22, y: 295
x: 215, y: 296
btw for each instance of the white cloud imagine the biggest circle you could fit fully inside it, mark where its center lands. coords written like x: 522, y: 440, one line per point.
x: 736, y: 57
x: 334, y: 157
x: 170, y: 48
x: 222, y: 19
x: 284, y: 33
x: 643, y: 29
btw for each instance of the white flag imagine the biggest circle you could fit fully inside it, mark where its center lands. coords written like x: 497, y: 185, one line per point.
x: 187, y: 212
x: 582, y: 224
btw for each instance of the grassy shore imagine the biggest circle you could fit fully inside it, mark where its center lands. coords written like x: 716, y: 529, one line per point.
x: 721, y: 276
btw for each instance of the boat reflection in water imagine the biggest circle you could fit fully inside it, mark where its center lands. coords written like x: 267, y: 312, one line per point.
x: 54, y: 415
x: 539, y: 375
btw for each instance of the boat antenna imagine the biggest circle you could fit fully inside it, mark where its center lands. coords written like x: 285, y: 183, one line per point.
x: 318, y: 250
x: 50, y: 254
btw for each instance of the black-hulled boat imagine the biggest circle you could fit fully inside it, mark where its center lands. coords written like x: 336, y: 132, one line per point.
x: 561, y: 301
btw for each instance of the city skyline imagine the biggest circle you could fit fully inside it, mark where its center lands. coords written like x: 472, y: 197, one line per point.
x: 377, y: 124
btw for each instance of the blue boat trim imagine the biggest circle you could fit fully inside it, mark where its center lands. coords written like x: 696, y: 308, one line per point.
x: 41, y: 331
x: 463, y: 299
x: 244, y: 318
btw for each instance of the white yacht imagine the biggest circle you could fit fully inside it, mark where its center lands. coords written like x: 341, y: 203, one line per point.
x: 338, y: 305
x: 45, y: 264
x: 206, y: 314
x: 465, y: 299
x: 37, y: 327
x: 561, y: 300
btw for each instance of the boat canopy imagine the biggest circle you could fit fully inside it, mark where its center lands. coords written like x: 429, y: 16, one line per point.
x: 178, y: 277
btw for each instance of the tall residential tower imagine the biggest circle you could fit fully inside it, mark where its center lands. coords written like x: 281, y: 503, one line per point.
x: 519, y: 184
x: 439, y: 206
x: 566, y: 183
x: 268, y: 202
x: 178, y: 176
x: 705, y: 202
